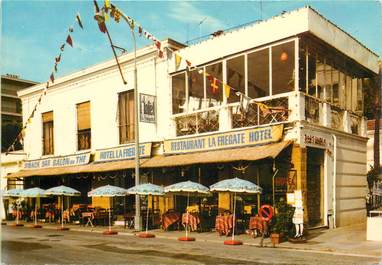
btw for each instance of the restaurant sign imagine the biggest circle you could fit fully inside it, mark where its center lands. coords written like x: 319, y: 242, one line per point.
x: 255, y: 136
x: 58, y: 161
x: 122, y: 152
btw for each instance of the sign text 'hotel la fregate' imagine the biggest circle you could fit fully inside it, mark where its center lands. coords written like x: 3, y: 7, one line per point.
x: 122, y: 152
x: 61, y: 161
x: 218, y: 141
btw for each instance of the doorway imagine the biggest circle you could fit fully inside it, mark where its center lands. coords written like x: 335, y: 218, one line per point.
x: 315, y: 186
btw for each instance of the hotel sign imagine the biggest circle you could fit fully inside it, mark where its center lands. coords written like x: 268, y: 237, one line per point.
x: 256, y: 136
x: 122, y: 152
x: 58, y: 161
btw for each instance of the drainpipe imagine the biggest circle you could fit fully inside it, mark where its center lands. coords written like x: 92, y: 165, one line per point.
x: 334, y: 178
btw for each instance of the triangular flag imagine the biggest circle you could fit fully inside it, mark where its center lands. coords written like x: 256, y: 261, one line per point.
x: 55, y: 67
x: 131, y: 24
x: 78, y: 18
x: 160, y: 54
x: 96, y: 8
x: 107, y: 3
x: 227, y: 90
x: 52, y: 78
x: 47, y: 84
x: 140, y: 30
x: 178, y: 59
x: 62, y: 47
x: 69, y: 40
x: 188, y: 63
x: 58, y: 58
x: 157, y: 43
x: 263, y: 108
x: 71, y: 29
x: 214, y: 86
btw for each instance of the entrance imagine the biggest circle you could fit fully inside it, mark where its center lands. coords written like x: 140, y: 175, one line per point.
x: 315, y: 186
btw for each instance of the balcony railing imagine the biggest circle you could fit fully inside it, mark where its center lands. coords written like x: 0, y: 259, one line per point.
x: 198, y: 122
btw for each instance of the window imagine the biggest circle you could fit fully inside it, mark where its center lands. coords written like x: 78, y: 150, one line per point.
x: 195, y: 90
x: 179, y: 93
x: 258, y: 74
x: 214, y: 95
x: 47, y: 133
x: 83, y: 126
x: 283, y: 73
x: 126, y: 116
x: 236, y: 77
x: 328, y: 83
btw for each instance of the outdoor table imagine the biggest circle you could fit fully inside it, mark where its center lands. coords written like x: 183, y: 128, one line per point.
x: 255, y: 222
x: 169, y: 219
x: 89, y: 216
x: 192, y: 219
x: 224, y: 224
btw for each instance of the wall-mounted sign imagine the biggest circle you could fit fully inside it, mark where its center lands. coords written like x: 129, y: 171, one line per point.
x: 122, y: 152
x: 314, y: 140
x: 58, y: 161
x: 147, y: 108
x: 218, y: 141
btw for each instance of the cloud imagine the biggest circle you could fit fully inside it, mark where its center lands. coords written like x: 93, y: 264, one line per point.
x: 186, y: 12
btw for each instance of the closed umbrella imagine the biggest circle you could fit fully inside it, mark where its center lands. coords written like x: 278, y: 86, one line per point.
x: 187, y: 187
x: 146, y: 189
x: 235, y: 185
x: 108, y: 191
x: 62, y: 191
x: 34, y: 193
x: 15, y: 193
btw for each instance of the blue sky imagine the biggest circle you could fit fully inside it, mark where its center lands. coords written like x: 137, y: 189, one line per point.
x: 33, y: 31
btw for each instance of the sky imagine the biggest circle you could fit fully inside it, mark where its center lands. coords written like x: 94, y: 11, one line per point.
x: 33, y: 31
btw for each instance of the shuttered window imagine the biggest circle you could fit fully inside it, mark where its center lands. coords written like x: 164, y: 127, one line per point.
x: 126, y: 116
x: 83, y: 126
x: 47, y: 133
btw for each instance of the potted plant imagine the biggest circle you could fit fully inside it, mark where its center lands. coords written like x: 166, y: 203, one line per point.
x: 281, y: 223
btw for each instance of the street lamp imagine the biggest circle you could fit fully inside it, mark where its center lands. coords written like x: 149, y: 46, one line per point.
x: 100, y: 17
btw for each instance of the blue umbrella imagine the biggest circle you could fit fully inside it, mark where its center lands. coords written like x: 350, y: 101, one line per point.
x: 108, y: 191
x: 34, y: 193
x: 147, y: 189
x: 62, y: 191
x: 235, y: 185
x: 14, y: 193
x: 187, y: 187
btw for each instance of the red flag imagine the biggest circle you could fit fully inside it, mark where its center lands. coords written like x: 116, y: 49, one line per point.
x: 52, y: 78
x: 101, y: 25
x: 160, y: 54
x: 157, y: 43
x: 69, y: 40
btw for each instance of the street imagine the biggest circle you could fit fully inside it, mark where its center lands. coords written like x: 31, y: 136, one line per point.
x: 48, y: 246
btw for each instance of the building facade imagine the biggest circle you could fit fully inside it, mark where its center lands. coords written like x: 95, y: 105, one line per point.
x: 279, y: 106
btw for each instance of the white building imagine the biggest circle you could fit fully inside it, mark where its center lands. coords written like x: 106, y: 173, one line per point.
x: 309, y: 136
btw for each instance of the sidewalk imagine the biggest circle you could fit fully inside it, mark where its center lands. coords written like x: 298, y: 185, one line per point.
x: 349, y: 240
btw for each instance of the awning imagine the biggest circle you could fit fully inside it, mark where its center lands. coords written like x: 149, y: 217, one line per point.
x: 221, y: 156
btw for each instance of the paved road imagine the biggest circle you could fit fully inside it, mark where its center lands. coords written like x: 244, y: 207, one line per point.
x: 47, y: 246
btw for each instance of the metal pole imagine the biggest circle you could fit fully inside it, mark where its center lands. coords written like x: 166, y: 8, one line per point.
x: 62, y: 211
x: 147, y: 215
x: 35, y: 211
x: 234, y: 216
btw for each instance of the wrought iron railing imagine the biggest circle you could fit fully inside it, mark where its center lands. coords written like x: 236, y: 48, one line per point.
x: 84, y: 139
x: 198, y: 122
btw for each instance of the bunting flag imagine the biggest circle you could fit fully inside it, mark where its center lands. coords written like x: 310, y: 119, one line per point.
x: 62, y: 47
x: 101, y: 24
x: 107, y: 4
x: 55, y: 67
x: 140, y: 30
x: 51, y: 77
x: 188, y: 63
x: 158, y: 44
x: 214, y: 86
x: 69, y: 40
x: 78, y: 18
x: 58, y: 58
x: 265, y: 110
x: 160, y: 54
x: 227, y: 90
x: 178, y: 60
x: 71, y: 29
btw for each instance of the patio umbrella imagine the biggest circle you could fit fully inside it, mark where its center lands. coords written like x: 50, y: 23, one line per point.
x: 62, y: 191
x: 14, y: 193
x: 187, y: 187
x: 34, y: 193
x: 235, y: 185
x: 108, y: 191
x: 146, y: 189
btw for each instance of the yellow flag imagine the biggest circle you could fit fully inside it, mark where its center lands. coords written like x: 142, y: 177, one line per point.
x: 107, y: 3
x: 178, y: 59
x: 227, y: 90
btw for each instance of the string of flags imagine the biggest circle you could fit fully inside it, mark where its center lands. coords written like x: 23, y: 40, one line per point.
x: 214, y: 82
x: 20, y: 136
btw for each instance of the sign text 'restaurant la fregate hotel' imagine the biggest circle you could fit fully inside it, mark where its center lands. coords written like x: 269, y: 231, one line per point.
x: 296, y: 122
